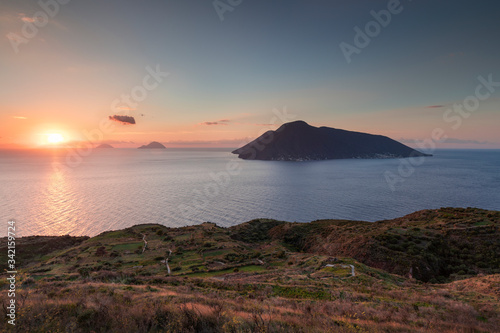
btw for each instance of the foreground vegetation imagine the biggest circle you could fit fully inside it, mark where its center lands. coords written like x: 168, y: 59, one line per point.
x: 430, y: 271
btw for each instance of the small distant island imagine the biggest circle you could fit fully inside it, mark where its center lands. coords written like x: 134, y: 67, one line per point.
x: 104, y: 146
x: 299, y: 141
x: 153, y: 145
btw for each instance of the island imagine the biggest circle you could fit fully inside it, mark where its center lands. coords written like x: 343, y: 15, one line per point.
x: 104, y: 146
x: 299, y: 141
x: 152, y: 145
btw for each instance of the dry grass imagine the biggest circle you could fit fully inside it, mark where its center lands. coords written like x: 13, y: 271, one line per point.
x: 104, y: 307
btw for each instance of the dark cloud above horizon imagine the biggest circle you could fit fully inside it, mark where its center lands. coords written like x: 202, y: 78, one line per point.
x: 126, y: 120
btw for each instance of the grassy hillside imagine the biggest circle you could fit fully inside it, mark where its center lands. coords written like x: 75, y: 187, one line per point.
x: 267, y: 276
x: 432, y: 245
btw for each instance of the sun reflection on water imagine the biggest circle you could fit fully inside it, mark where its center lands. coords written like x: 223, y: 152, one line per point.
x: 60, y: 209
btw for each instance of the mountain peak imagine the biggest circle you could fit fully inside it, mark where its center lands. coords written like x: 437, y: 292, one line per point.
x: 298, y: 124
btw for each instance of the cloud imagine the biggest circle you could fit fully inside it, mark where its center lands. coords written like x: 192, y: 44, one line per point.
x: 126, y: 120
x: 434, y: 106
x: 33, y: 19
x: 28, y: 19
x: 19, y: 117
x: 212, y: 123
x: 218, y: 122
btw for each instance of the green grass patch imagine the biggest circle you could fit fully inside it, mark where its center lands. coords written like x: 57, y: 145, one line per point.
x: 182, y: 237
x: 127, y: 246
x: 215, y: 253
x: 298, y: 292
x: 244, y: 269
x: 481, y: 223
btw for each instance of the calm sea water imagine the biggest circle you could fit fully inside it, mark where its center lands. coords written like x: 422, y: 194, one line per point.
x: 117, y: 188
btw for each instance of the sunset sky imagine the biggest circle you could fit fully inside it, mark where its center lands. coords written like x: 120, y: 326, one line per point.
x: 225, y: 77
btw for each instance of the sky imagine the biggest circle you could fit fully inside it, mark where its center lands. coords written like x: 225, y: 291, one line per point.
x: 220, y: 73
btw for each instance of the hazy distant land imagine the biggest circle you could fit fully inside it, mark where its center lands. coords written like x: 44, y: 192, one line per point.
x: 104, y: 146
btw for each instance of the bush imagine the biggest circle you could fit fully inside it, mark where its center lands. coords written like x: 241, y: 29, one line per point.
x: 84, y: 271
x: 281, y: 254
x: 28, y: 281
x: 101, y: 251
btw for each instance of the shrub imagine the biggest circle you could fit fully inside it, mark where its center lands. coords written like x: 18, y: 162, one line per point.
x: 281, y: 254
x: 84, y: 272
x: 101, y: 251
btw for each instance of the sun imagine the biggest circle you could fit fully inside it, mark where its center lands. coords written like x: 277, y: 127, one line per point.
x: 55, y: 138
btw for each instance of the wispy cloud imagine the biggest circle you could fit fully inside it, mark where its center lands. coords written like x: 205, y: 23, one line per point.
x: 19, y: 117
x: 27, y: 19
x: 218, y: 122
x: 435, y: 106
x: 32, y: 19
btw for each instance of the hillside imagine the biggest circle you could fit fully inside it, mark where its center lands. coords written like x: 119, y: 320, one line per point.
x: 299, y: 141
x: 267, y: 276
x: 431, y: 245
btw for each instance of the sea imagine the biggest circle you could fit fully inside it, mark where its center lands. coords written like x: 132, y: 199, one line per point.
x: 60, y: 192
